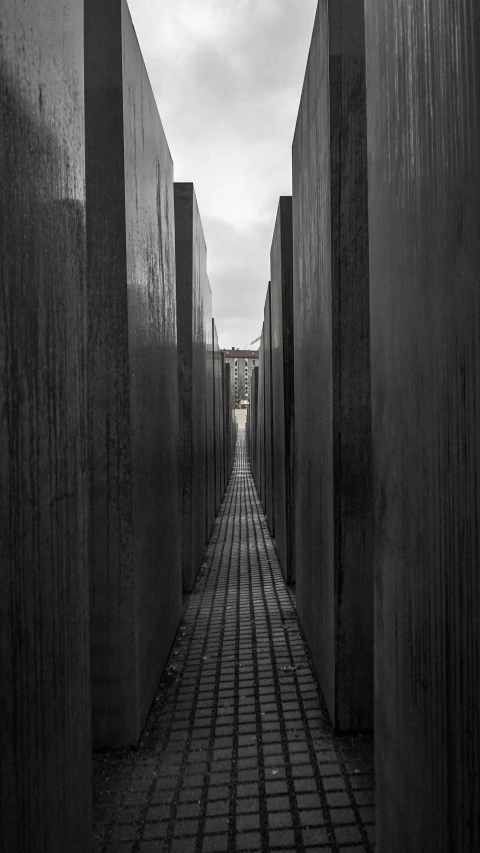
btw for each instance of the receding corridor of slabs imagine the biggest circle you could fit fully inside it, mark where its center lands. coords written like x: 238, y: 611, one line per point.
x: 237, y: 753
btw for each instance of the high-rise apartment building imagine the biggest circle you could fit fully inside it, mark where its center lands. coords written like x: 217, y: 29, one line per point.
x: 241, y: 362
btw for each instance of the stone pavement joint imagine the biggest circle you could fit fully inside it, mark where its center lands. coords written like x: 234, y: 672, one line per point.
x: 238, y: 752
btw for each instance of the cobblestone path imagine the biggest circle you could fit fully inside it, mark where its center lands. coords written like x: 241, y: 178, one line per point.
x: 238, y: 753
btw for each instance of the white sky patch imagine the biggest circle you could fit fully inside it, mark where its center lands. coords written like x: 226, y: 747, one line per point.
x: 201, y: 19
x: 227, y: 76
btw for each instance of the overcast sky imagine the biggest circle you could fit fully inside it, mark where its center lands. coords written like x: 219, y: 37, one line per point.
x: 227, y: 77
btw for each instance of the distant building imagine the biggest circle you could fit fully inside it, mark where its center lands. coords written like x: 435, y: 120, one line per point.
x: 242, y: 362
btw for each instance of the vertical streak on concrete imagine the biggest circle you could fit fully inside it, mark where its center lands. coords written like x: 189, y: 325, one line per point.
x: 261, y: 420
x: 45, y: 731
x: 254, y: 448
x: 217, y: 418
x: 191, y: 271
x: 268, y: 398
x: 423, y: 85
x: 332, y: 365
x: 227, y: 407
x: 281, y: 264
x: 210, y: 438
x: 221, y: 422
x: 132, y: 373
x: 228, y: 420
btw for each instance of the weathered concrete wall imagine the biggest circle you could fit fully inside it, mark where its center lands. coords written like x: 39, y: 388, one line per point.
x: 281, y: 270
x: 210, y: 468
x: 191, y: 271
x: 225, y: 400
x: 332, y: 368
x: 227, y: 410
x: 45, y: 787
x: 268, y: 405
x: 423, y: 89
x: 229, y: 429
x: 261, y: 421
x: 132, y: 374
x: 253, y: 424
x: 255, y: 427
x: 217, y: 418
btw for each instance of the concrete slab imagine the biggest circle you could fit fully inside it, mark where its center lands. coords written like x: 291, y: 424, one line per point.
x: 424, y: 131
x: 45, y: 780
x: 210, y: 467
x: 253, y: 450
x: 217, y: 418
x: 332, y: 366
x: 225, y: 403
x: 281, y: 271
x: 230, y: 425
x: 268, y: 404
x: 191, y: 272
x: 132, y: 374
x: 261, y: 421
x: 227, y: 419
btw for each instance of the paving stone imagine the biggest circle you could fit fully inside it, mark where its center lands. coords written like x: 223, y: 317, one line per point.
x: 349, y: 834
x: 190, y: 795
x: 341, y: 816
x: 187, y: 810
x: 305, y: 785
x: 248, y: 841
x: 314, y: 835
x: 186, y: 827
x: 311, y: 817
x: 247, y: 806
x: 280, y: 820
x: 283, y: 837
x: 157, y: 813
x: 215, y: 844
x: 183, y: 845
x: 224, y: 757
x: 155, y: 830
x: 247, y: 821
x: 337, y: 798
x: 278, y: 803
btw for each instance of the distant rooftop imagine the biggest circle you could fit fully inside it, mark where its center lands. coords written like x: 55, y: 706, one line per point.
x: 240, y: 353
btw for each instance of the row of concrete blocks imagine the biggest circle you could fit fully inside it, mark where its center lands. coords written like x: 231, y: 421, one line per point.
x: 98, y: 250
x: 364, y: 427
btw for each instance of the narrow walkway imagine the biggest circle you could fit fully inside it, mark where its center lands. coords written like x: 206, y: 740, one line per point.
x: 237, y: 754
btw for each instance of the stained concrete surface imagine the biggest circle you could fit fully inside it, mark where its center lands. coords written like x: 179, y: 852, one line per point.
x: 210, y: 466
x: 191, y: 272
x: 282, y: 354
x: 268, y: 502
x: 45, y: 778
x: 261, y: 420
x: 424, y: 135
x: 229, y: 420
x: 238, y: 753
x: 253, y: 425
x: 132, y: 374
x: 333, y: 526
x: 217, y: 418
